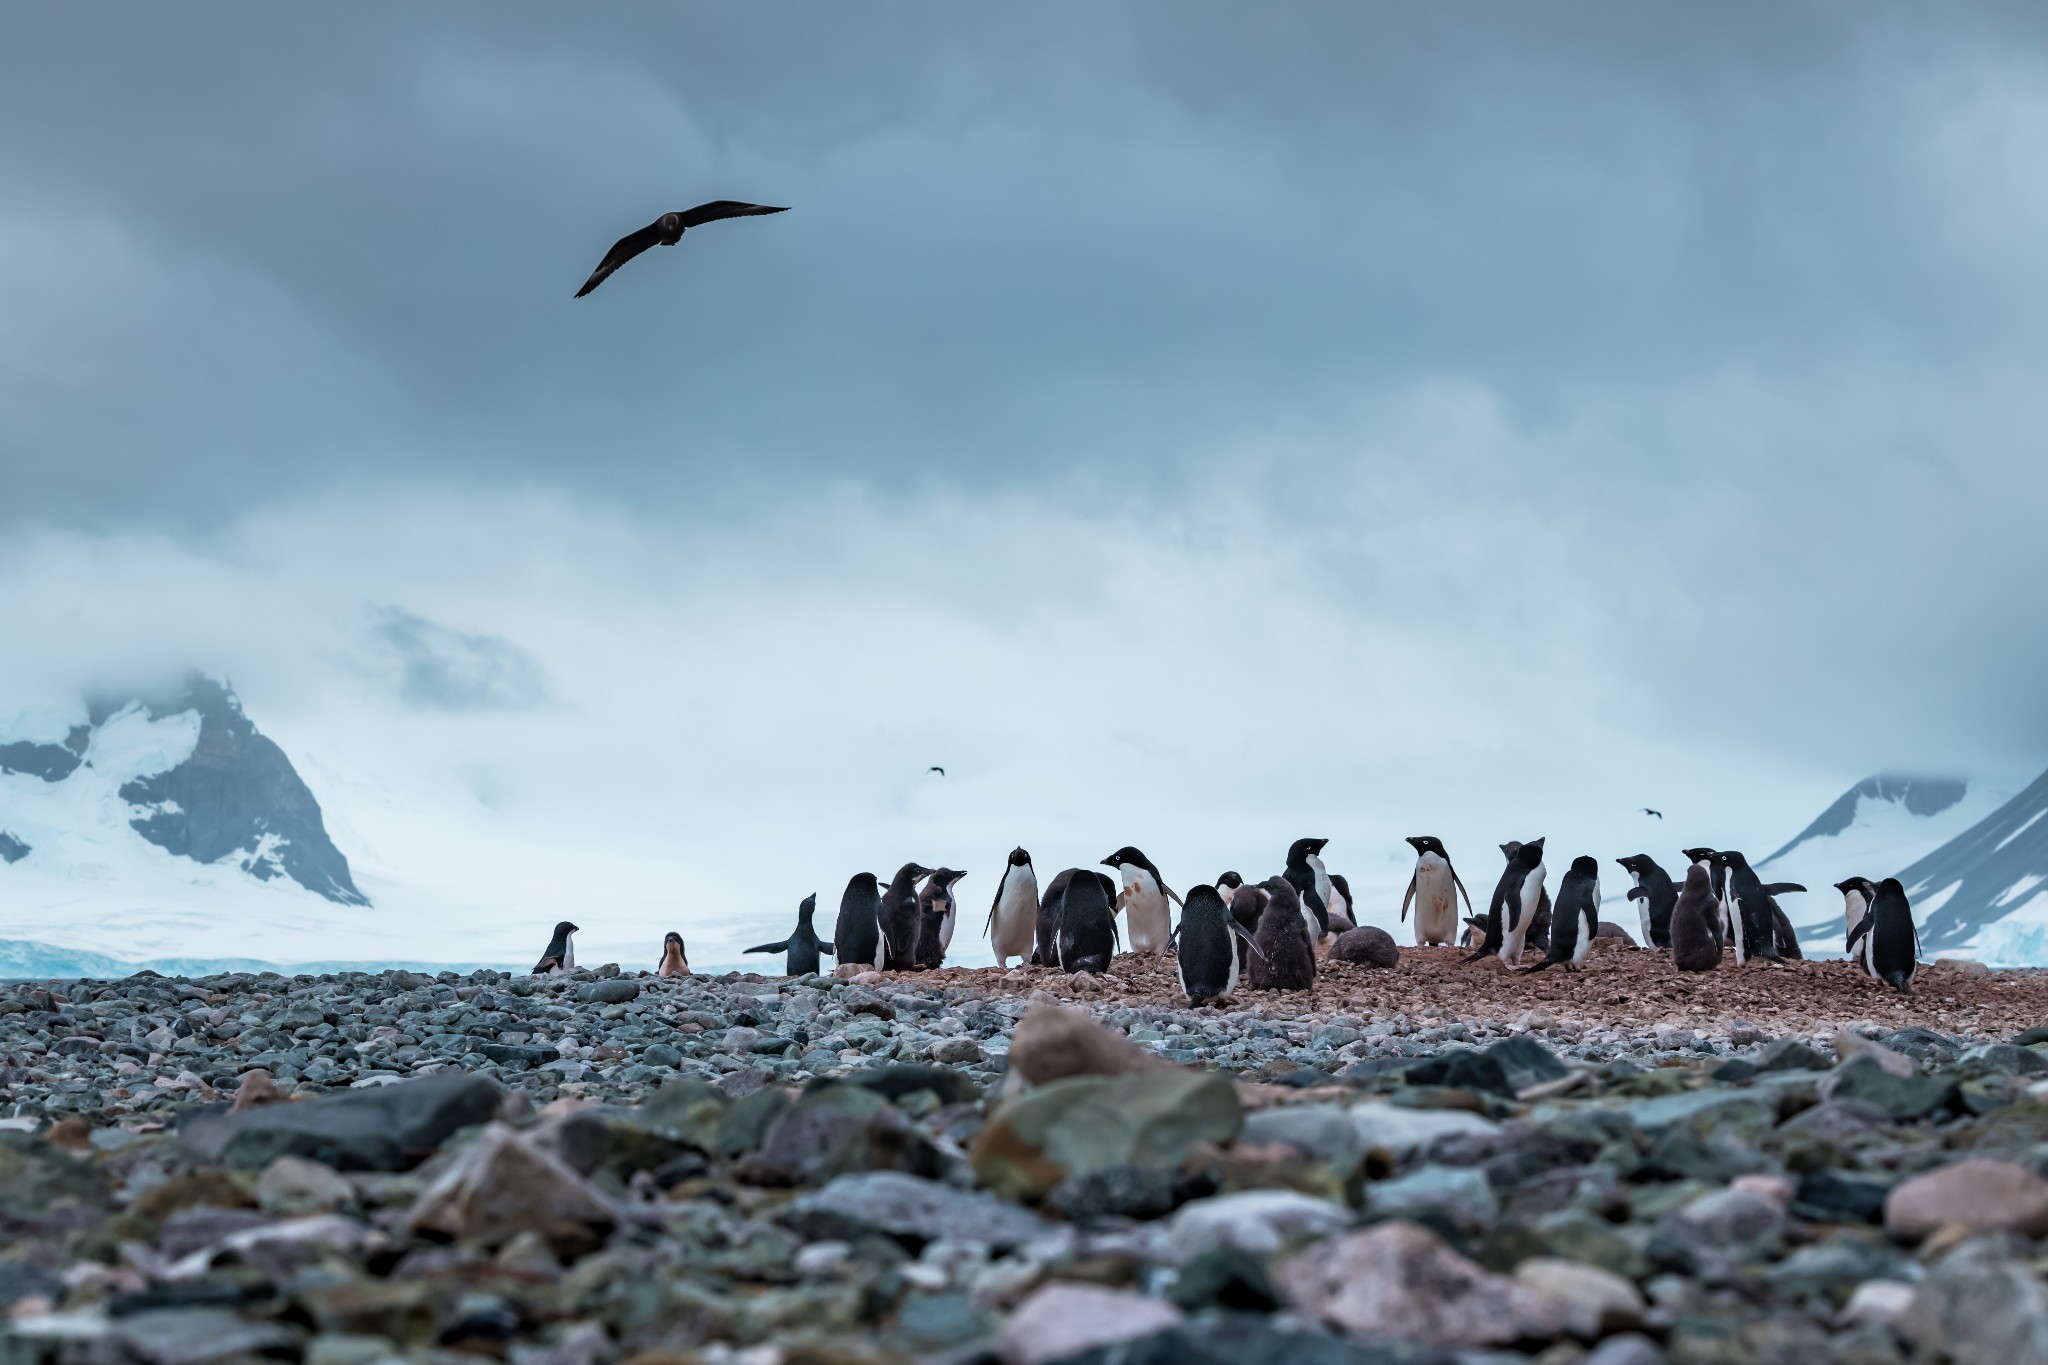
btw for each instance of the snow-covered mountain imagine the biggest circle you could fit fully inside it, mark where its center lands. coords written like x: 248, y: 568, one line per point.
x: 1971, y: 855
x: 126, y: 791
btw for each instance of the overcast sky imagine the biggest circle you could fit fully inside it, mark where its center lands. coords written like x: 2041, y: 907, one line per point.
x: 1189, y: 424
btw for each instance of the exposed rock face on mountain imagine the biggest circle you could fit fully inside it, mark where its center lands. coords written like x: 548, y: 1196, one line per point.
x: 1991, y: 876
x: 237, y: 795
x: 1919, y: 796
x: 183, y: 769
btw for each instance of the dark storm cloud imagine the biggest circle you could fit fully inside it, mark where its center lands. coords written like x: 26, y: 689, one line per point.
x: 282, y: 247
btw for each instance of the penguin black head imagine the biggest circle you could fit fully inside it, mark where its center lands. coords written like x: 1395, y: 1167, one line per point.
x: 944, y: 877
x: 1301, y: 850
x: 1507, y: 850
x: 1127, y: 854
x: 1019, y: 858
x: 566, y: 928
x: 672, y: 937
x: 1523, y: 854
x: 912, y: 872
x: 1698, y: 855
x: 1585, y: 866
x: 1635, y: 862
x: 1730, y: 858
x: 1228, y: 883
x: 809, y: 906
x: 1862, y: 884
x: 1427, y: 843
x: 1203, y: 899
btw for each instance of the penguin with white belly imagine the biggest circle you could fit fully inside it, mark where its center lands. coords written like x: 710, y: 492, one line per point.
x: 1143, y: 900
x: 1513, y: 907
x: 1574, y: 916
x: 1013, y: 918
x: 1433, y: 889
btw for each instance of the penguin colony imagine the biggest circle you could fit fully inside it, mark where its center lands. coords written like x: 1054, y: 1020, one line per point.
x: 1271, y: 935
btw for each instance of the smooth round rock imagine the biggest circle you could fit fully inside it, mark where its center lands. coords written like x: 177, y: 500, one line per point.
x: 1366, y: 947
x: 1981, y: 1195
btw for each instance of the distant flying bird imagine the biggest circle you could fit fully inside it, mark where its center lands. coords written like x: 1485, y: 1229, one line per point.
x: 667, y: 230
x: 1658, y: 813
x: 936, y: 769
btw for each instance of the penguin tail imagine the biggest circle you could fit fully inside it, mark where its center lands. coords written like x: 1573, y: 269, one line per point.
x: 776, y: 947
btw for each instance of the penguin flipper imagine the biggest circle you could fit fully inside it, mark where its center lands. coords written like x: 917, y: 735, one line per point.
x: 1636, y: 893
x: 1408, y: 896
x: 771, y: 947
x: 1863, y: 927
x: 1246, y: 935
x: 1780, y: 888
x: 1461, y: 890
x: 827, y: 949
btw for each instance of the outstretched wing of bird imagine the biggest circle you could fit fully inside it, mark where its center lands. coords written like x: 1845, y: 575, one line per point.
x: 623, y: 250
x: 633, y: 243
x: 726, y: 208
x: 935, y: 768
x: 771, y: 947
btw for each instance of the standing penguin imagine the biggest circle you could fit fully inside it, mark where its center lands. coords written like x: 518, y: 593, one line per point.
x: 1695, y: 917
x: 1227, y: 884
x: 1889, y: 939
x: 1657, y: 894
x: 1857, y: 894
x: 1575, y: 916
x: 1013, y: 918
x: 561, y: 952
x: 1434, y: 887
x: 803, y: 944
x: 1343, y: 910
x: 937, y: 912
x: 1209, y: 941
x: 1247, y: 903
x: 857, y: 933
x: 898, y: 918
x: 1087, y: 936
x: 1310, y: 882
x: 1513, y: 907
x: 1538, y: 937
x: 1753, y: 919
x: 1286, y: 960
x: 1047, y: 952
x: 1143, y: 900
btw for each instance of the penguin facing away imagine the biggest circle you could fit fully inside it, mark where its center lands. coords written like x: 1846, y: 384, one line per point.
x: 1434, y: 888
x: 1857, y: 894
x: 1575, y: 916
x: 673, y: 961
x: 803, y: 944
x: 1087, y: 931
x: 1654, y: 893
x: 1304, y: 873
x: 1286, y: 960
x: 857, y: 933
x: 1512, y: 909
x: 1210, y: 937
x: 1889, y: 939
x: 937, y: 913
x: 1538, y: 937
x: 898, y: 918
x: 1013, y: 917
x: 1695, y: 920
x: 560, y: 956
x: 1047, y: 951
x: 1143, y: 900
x: 1247, y: 903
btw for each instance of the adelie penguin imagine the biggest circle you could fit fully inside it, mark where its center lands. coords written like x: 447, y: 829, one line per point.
x: 1343, y: 911
x: 1434, y: 888
x: 1210, y: 940
x: 1887, y: 942
x: 1143, y: 900
x: 1574, y: 916
x: 803, y: 944
x: 1013, y: 917
x: 898, y: 917
x: 674, y: 962
x: 1654, y: 893
x: 1087, y: 936
x: 1286, y: 960
x: 1695, y: 923
x: 857, y: 933
x: 561, y: 952
x: 1857, y: 894
x: 1247, y: 904
x: 937, y: 913
x: 1311, y: 883
x: 1047, y: 952
x: 1538, y: 937
x: 1754, y: 919
x: 1513, y: 907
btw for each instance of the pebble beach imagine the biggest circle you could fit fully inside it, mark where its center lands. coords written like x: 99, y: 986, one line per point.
x: 1436, y: 1161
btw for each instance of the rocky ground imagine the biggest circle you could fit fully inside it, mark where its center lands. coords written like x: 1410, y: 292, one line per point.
x: 1431, y: 1163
